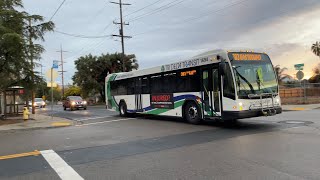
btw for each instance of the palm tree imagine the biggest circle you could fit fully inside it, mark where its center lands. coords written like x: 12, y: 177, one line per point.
x: 280, y: 73
x: 315, y: 48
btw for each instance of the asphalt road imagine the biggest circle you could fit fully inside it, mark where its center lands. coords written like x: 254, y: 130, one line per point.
x: 106, y: 146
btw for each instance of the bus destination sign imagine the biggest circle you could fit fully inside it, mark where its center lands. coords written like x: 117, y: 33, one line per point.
x: 246, y: 57
x: 162, y: 101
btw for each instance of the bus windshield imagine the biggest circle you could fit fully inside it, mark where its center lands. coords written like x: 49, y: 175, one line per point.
x: 254, y: 74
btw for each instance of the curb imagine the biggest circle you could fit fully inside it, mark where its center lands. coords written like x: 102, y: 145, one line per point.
x: 39, y: 128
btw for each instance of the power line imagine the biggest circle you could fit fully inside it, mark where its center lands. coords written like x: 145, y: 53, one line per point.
x: 212, y: 12
x: 81, y: 36
x: 257, y: 21
x: 143, y: 8
x: 159, y: 9
x: 198, y: 17
x: 57, y: 9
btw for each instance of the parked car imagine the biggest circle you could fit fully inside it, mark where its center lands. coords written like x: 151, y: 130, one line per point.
x: 38, y: 102
x: 74, y: 102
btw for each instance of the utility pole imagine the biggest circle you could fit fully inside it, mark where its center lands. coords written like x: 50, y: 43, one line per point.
x: 32, y: 66
x: 62, y: 71
x: 121, y: 32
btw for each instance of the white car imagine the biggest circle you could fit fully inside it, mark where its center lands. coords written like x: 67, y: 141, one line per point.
x: 38, y: 102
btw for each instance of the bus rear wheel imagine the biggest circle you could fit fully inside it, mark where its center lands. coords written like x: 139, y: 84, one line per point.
x: 123, y: 109
x: 192, y: 113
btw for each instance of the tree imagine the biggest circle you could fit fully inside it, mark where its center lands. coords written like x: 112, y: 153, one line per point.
x: 315, y: 48
x: 280, y: 73
x: 73, y: 91
x: 316, y: 75
x: 56, y: 94
x: 18, y: 30
x: 11, y: 43
x: 92, y: 71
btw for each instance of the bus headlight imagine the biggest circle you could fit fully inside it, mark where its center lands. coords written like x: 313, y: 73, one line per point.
x: 240, y: 106
x: 278, y: 101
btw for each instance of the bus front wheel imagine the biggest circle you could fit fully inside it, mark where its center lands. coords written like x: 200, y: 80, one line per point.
x: 123, y: 109
x: 192, y: 113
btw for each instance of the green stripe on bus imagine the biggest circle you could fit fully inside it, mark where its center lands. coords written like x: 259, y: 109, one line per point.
x: 113, y: 102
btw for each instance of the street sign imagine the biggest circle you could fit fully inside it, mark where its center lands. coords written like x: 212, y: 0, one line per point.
x: 300, y: 75
x: 54, y: 84
x: 55, y: 64
x: 54, y: 74
x: 299, y: 67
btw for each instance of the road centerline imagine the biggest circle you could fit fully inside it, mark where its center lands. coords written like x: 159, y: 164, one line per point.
x: 33, y: 153
x: 64, y: 171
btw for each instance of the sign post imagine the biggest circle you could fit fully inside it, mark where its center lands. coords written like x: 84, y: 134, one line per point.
x: 55, y: 65
x: 52, y: 92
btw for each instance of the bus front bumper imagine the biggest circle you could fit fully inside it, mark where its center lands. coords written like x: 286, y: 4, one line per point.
x: 230, y: 115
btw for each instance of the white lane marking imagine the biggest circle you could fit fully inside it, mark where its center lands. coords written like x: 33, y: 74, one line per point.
x: 64, y: 171
x: 97, y: 117
x: 102, y: 122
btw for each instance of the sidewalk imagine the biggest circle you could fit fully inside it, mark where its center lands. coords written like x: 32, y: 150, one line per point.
x: 300, y: 107
x: 37, y: 121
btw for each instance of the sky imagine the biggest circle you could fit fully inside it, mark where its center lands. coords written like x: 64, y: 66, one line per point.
x: 165, y: 31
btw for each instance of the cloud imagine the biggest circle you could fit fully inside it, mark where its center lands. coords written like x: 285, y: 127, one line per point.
x: 184, y: 30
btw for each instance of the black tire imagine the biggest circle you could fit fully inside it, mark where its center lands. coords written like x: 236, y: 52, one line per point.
x: 64, y: 108
x: 123, y: 109
x: 85, y: 108
x: 192, y: 113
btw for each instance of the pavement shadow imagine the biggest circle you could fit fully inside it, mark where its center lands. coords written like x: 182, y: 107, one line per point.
x: 241, y: 125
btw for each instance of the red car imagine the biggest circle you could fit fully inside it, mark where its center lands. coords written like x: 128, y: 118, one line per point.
x: 74, y: 102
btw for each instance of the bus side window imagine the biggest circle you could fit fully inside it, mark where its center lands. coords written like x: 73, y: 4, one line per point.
x: 188, y: 82
x: 228, y: 86
x: 156, y: 84
x: 145, y: 85
x: 169, y: 82
x: 114, y: 88
x: 122, y: 87
x: 130, y: 86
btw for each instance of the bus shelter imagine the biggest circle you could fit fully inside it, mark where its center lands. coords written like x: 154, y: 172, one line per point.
x: 11, y: 101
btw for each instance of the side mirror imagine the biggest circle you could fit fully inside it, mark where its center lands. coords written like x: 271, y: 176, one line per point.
x: 222, y: 65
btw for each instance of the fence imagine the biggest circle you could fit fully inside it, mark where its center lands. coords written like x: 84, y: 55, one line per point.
x: 300, y: 93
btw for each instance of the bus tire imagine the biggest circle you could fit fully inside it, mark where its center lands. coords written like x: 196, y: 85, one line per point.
x: 123, y: 109
x: 192, y: 113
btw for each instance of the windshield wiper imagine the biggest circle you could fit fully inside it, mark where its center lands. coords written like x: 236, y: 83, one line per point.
x: 244, y: 79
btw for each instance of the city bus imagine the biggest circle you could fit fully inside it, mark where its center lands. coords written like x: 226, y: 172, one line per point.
x: 219, y: 85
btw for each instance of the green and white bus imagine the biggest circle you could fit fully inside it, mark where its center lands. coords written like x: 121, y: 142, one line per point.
x: 224, y: 85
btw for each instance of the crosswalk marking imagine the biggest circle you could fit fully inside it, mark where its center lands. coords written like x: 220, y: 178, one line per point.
x: 64, y: 171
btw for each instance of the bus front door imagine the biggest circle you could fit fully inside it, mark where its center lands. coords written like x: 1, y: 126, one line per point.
x: 210, y: 91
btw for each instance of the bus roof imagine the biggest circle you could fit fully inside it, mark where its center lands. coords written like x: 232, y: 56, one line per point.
x: 199, y: 60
